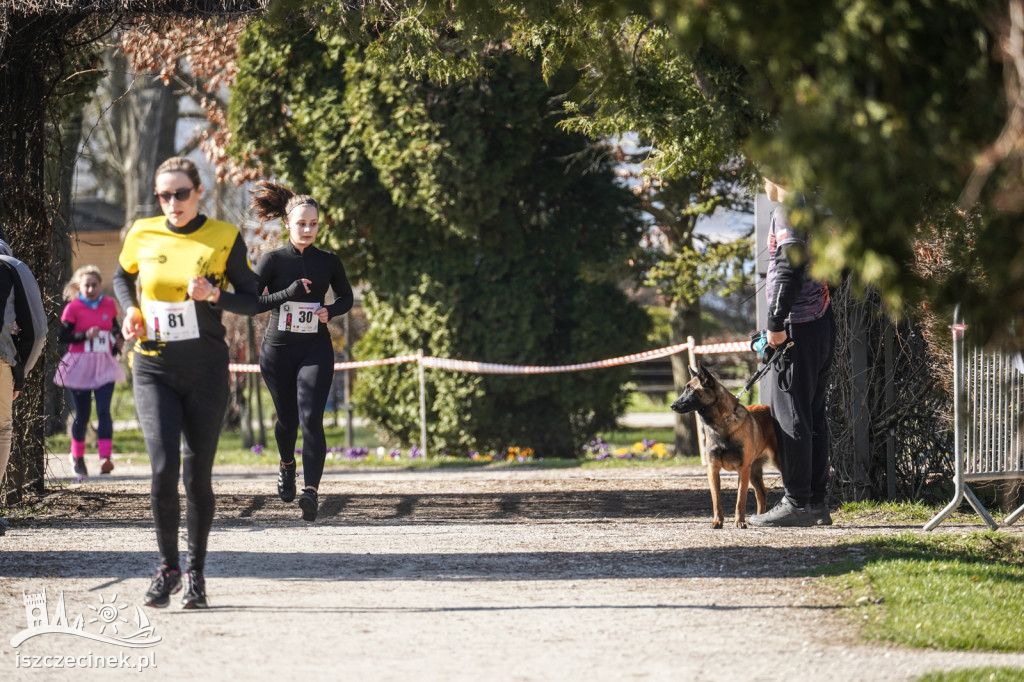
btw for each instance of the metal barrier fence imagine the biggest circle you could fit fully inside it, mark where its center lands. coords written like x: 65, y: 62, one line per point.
x: 988, y: 395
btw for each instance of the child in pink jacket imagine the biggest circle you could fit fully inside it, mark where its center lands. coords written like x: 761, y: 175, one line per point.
x: 89, y: 367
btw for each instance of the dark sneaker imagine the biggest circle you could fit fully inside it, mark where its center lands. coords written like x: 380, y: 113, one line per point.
x: 106, y: 466
x: 166, y: 583
x: 784, y: 515
x: 78, y: 464
x: 820, y: 512
x: 3, y: 526
x: 309, y: 504
x: 195, y: 591
x: 286, y: 482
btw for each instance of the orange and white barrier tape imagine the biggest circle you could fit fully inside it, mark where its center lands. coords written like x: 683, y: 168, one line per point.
x: 730, y: 347
x: 493, y: 368
x: 243, y: 367
x: 496, y: 368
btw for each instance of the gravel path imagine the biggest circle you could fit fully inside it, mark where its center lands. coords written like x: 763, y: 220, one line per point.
x: 454, y: 575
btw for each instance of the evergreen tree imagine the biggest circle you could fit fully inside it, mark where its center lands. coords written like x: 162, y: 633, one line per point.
x: 891, y: 112
x: 484, y: 231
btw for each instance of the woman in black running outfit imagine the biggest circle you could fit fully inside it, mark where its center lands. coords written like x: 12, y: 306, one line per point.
x: 297, y: 358
x: 181, y: 261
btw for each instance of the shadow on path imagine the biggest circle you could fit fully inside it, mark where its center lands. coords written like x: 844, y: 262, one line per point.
x: 99, y: 508
x: 717, y: 562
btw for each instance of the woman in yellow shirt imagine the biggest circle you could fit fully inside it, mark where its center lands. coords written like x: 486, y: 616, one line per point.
x: 182, y: 263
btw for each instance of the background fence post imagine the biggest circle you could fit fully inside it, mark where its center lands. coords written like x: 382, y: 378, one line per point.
x: 889, y: 405
x: 859, y: 409
x: 700, y: 425
x: 347, y: 388
x: 423, y: 403
x: 257, y: 383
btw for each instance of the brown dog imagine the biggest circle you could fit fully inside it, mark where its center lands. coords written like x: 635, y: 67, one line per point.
x: 737, y: 438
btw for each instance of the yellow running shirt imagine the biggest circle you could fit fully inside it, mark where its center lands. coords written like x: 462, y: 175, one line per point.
x: 164, y: 262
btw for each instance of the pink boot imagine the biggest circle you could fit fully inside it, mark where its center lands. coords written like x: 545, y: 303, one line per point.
x: 78, y: 458
x: 105, y: 446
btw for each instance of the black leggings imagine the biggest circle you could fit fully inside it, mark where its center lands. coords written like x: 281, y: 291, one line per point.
x: 173, y: 401
x: 299, y: 376
x: 81, y: 399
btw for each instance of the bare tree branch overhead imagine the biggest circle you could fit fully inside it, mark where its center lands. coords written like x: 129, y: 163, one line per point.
x: 176, y: 7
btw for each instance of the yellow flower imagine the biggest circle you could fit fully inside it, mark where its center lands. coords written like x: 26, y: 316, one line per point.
x: 660, y: 450
x: 621, y: 451
x: 638, y: 447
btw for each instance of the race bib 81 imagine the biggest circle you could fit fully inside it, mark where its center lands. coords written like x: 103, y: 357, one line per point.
x: 171, y: 321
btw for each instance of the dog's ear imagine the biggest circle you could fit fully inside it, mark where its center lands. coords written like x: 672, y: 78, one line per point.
x: 705, y: 375
x: 694, y: 371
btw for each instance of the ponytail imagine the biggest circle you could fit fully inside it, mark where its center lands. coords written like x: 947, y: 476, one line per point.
x: 272, y: 200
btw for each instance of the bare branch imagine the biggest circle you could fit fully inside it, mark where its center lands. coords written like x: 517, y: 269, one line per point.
x: 1010, y: 143
x: 156, y: 7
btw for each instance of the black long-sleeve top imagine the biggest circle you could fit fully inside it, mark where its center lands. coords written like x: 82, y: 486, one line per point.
x: 279, y: 272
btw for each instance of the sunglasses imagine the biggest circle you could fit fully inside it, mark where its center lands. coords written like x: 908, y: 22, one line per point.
x: 179, y: 194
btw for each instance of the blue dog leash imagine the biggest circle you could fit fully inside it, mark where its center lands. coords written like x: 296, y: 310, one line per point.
x: 769, y: 356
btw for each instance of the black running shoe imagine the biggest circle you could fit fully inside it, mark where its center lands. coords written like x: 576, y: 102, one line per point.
x: 78, y: 464
x: 195, y: 591
x: 309, y: 504
x: 286, y: 482
x: 166, y: 583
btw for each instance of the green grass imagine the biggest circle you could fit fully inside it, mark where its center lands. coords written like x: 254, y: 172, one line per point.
x: 231, y: 451
x: 871, y: 512
x: 625, y: 436
x: 615, y: 463
x: 122, y: 403
x: 990, y: 674
x: 648, y: 402
x: 960, y: 592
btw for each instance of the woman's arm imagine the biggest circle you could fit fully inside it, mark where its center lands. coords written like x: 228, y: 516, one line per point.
x: 343, y: 296
x: 271, y: 301
x: 124, y: 288
x: 244, y: 300
x: 265, y: 275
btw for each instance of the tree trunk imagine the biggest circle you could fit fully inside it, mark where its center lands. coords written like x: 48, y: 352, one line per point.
x: 60, y: 177
x: 684, y: 321
x: 149, y: 134
x: 26, y: 73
